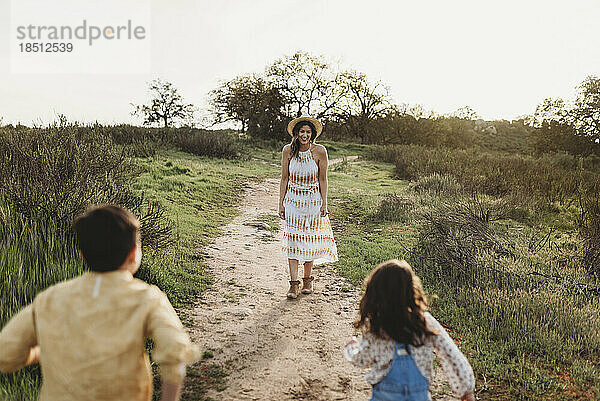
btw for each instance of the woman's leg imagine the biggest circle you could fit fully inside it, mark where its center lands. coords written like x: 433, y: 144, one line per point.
x: 293, y: 269
x: 294, y: 283
x: 308, y: 269
x: 307, y: 280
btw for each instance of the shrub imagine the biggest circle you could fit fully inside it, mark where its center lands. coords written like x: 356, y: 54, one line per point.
x: 54, y: 173
x: 589, y: 231
x: 51, y: 175
x: 139, y: 141
x: 546, y: 179
x: 386, y: 154
x: 457, y: 236
x: 393, y: 207
x: 204, y: 143
x: 438, y: 185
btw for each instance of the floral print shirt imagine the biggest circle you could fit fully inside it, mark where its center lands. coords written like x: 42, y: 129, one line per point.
x: 378, y: 353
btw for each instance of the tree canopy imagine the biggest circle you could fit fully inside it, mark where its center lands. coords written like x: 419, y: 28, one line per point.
x: 166, y: 106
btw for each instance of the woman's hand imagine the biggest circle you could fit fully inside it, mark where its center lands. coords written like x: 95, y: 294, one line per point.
x: 281, y: 211
x: 324, y: 211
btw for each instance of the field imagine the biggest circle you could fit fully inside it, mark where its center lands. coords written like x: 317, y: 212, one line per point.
x: 507, y: 280
x: 506, y: 245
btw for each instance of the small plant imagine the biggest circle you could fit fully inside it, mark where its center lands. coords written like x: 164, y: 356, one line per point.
x: 589, y: 231
x: 393, y: 207
x: 438, y: 185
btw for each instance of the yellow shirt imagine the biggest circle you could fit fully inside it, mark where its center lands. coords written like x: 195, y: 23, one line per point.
x: 91, y: 331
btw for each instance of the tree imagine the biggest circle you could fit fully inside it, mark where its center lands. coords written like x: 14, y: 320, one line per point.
x: 253, y: 102
x: 166, y: 106
x: 232, y: 100
x: 465, y: 113
x: 585, y: 114
x: 570, y: 126
x: 307, y: 83
x: 551, y: 109
x: 361, y: 103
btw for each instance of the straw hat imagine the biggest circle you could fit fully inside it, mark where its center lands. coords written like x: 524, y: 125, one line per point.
x: 305, y: 117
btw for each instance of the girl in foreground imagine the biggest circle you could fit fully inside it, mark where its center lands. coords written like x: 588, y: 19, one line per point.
x: 399, y: 337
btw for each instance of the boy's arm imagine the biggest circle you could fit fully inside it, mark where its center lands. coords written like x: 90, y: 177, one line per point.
x: 173, y: 349
x: 170, y: 391
x: 18, y: 342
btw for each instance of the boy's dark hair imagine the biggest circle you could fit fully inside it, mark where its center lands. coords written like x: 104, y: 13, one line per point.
x: 106, y: 234
x: 393, y: 304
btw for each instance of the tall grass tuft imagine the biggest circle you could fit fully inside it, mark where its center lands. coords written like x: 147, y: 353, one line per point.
x: 213, y: 144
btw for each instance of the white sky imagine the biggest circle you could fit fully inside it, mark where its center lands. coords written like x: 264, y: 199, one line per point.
x: 501, y: 58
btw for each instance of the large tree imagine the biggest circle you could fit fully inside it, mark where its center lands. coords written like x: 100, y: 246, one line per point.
x: 362, y: 102
x: 301, y: 83
x: 572, y: 126
x: 585, y: 113
x: 166, y: 106
x: 309, y: 84
x: 251, y: 101
x: 232, y: 100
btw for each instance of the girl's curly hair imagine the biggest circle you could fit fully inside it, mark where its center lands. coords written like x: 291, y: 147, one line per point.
x: 394, y: 304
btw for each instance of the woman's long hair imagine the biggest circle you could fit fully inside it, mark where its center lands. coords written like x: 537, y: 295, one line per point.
x: 393, y: 304
x: 295, y: 145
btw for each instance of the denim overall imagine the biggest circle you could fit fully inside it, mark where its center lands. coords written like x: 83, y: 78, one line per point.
x: 404, y: 381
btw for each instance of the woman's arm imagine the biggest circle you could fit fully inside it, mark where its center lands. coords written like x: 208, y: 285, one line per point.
x: 323, y: 162
x: 285, y: 176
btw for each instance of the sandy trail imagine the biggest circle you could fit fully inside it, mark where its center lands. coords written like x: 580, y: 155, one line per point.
x: 274, y: 348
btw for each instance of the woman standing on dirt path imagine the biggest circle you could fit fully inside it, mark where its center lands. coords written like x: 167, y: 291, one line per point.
x: 307, y: 233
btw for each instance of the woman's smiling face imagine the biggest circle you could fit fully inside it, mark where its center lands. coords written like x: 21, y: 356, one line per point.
x: 304, y: 134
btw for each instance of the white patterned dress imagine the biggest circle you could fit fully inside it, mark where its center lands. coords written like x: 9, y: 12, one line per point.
x: 306, y: 235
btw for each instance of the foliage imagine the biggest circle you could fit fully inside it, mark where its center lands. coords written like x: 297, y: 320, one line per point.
x: 361, y: 103
x: 541, y: 180
x: 307, y: 83
x: 206, y: 143
x: 300, y: 83
x: 54, y: 173
x: 589, y: 231
x: 570, y: 126
x: 438, y: 185
x: 513, y: 296
x: 166, y: 106
x: 253, y: 102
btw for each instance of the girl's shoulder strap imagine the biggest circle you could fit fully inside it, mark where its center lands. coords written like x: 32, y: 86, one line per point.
x: 402, y: 347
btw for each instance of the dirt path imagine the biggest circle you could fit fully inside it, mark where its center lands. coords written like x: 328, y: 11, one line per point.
x: 273, y: 348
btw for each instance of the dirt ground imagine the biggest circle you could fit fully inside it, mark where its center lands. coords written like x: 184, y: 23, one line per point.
x: 273, y: 348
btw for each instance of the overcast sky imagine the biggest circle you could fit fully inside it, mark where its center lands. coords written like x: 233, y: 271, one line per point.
x: 501, y: 58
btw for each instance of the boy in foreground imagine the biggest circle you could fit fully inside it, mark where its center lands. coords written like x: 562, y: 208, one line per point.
x: 89, y: 333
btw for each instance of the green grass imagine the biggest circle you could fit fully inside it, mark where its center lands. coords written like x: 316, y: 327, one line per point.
x: 30, y: 259
x: 198, y: 195
x: 528, y: 338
